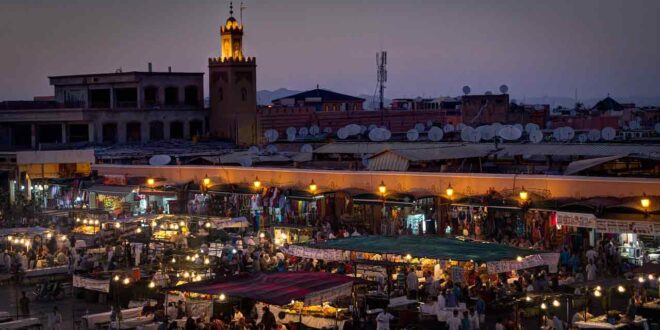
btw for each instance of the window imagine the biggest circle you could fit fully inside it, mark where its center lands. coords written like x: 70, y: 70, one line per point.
x: 244, y: 94
x: 171, y: 96
x: 133, y: 132
x: 220, y: 94
x: 196, y: 127
x: 125, y: 97
x: 190, y: 96
x: 176, y: 130
x: 109, y: 133
x: 151, y: 96
x: 99, y: 98
x: 78, y: 133
x: 156, y: 131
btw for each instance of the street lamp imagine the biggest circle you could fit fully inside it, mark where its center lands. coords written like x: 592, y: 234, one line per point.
x: 523, y: 194
x: 449, y: 191
x: 621, y: 289
x: 312, y: 186
x: 382, y: 188
x: 555, y: 303
x: 645, y: 201
x: 151, y: 182
x: 206, y: 181
x: 256, y: 183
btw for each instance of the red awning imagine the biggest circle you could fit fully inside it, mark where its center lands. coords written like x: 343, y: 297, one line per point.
x: 277, y: 288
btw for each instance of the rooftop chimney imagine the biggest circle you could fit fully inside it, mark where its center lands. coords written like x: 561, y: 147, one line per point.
x: 169, y: 69
x: 149, y: 66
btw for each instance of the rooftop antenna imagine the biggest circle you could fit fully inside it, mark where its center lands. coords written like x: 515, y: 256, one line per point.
x: 242, y: 7
x: 381, y: 61
x: 231, y: 8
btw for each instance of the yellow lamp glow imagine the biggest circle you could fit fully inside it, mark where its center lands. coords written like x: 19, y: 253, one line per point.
x: 256, y: 183
x: 117, y: 225
x: 152, y: 285
x: 139, y: 230
x: 126, y: 281
x: 597, y: 293
x: 555, y: 303
x: 116, y: 278
x: 519, y: 258
x: 382, y: 188
x: 181, y: 223
x: 262, y: 235
x: 207, y: 225
x: 544, y: 306
x: 222, y: 297
x: 645, y: 201
x: 523, y: 194
x: 640, y: 279
x: 449, y: 191
x: 528, y: 298
x: 151, y: 182
x: 598, y: 288
x: 207, y: 261
x: 206, y: 181
x: 651, y: 277
x: 621, y: 289
x: 173, y: 260
x: 312, y: 187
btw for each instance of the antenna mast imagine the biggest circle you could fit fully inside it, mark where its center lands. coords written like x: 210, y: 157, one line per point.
x: 381, y: 61
x: 241, y: 8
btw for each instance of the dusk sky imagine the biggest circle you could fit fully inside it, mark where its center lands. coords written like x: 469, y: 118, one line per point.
x: 435, y: 47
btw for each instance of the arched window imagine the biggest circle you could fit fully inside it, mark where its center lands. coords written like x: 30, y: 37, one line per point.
x: 171, y: 96
x: 220, y: 94
x: 176, y: 130
x: 190, y: 96
x: 133, y: 132
x: 244, y: 94
x: 156, y: 131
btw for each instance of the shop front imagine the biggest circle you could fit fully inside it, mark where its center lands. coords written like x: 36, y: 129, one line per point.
x: 386, y: 214
x: 120, y: 200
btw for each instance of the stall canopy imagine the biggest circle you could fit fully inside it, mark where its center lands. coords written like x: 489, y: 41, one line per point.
x: 278, y: 288
x: 429, y: 247
x: 111, y: 190
x: 30, y: 231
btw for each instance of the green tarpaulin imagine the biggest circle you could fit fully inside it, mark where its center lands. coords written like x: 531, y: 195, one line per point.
x: 428, y: 247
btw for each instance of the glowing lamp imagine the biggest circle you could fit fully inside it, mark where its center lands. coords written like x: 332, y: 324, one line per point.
x: 117, y: 225
x: 597, y: 293
x: 555, y: 303
x: 523, y: 194
x: 645, y: 201
x: 206, y: 181
x: 222, y: 297
x: 519, y: 259
x: 449, y: 191
x: 640, y: 279
x: 116, y: 278
x: 382, y: 188
x: 256, y: 183
x: 139, y: 230
x: 151, y: 182
x: 528, y: 298
x: 127, y: 281
x: 544, y: 306
x: 152, y: 285
x: 207, y: 225
x: 621, y: 289
x: 312, y: 187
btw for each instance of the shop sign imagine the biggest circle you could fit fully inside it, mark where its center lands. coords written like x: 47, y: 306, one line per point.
x: 570, y: 219
x: 115, y: 180
x: 311, y: 253
x: 91, y: 284
x: 628, y: 227
x: 504, y: 266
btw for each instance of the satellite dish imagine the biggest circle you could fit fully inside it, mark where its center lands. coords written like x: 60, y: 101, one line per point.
x: 429, y: 123
x: 504, y: 89
x: 466, y: 90
x: 420, y: 127
x: 412, y: 135
x: 306, y: 148
x: 253, y: 150
x: 365, y: 160
x: 568, y: 133
x: 159, y: 160
x: 460, y: 127
x: 582, y: 138
x: 487, y: 132
x: 608, y: 133
x: 303, y: 131
x: 327, y: 130
x: 435, y: 134
x: 363, y: 129
x: 594, y: 135
x: 519, y: 126
x: 342, y: 133
x: 271, y: 135
x: 386, y: 134
x: 271, y: 149
x: 291, y: 131
x: 448, y: 128
x: 469, y: 134
x: 497, y: 127
x: 314, y: 130
x: 245, y: 161
x: 372, y: 127
x: 488, y: 93
x: 536, y: 136
x: 509, y: 133
x: 530, y: 127
x: 657, y: 128
x: 353, y: 129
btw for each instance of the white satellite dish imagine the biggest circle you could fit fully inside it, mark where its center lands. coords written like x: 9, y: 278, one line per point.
x: 327, y: 130
x: 291, y: 131
x: 159, y: 160
x: 488, y: 93
x: 530, y: 127
x: 504, y: 89
x: 567, y: 133
x: 657, y: 128
x: 271, y: 149
x: 582, y: 138
x: 435, y: 134
x: 314, y: 130
x: 420, y: 127
x: 509, y: 133
x: 372, y: 127
x: 386, y: 134
x: 487, y: 132
x: 303, y: 132
x: 460, y: 127
x: 519, y: 126
x: 412, y: 135
x: 497, y: 127
x: 245, y: 161
x: 342, y: 133
x: 353, y: 129
x: 469, y: 134
x: 608, y: 133
x: 448, y: 128
x: 306, y: 148
x: 466, y: 90
x: 363, y: 129
x: 536, y: 136
x: 253, y: 150
x: 429, y: 123
x: 271, y: 135
x: 594, y: 135
x: 375, y: 135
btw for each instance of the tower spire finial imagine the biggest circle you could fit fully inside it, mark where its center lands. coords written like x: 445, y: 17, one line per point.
x: 231, y: 8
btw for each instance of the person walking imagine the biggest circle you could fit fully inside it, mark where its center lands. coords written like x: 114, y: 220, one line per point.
x: 24, y: 303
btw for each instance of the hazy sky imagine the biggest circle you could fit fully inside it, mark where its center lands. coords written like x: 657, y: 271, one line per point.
x: 435, y: 47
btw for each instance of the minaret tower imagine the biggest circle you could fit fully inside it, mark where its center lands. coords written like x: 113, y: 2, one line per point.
x: 233, y: 87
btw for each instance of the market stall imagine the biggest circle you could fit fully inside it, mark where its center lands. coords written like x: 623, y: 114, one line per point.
x: 301, y: 296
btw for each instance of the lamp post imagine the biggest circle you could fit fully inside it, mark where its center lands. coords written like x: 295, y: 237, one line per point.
x: 646, y: 202
x: 382, y: 189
